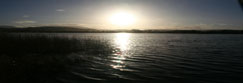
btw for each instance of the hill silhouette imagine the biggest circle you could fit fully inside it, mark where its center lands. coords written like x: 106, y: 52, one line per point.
x: 72, y: 29
x: 45, y: 29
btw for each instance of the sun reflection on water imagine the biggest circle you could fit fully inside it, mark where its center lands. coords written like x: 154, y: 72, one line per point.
x: 122, y: 41
x: 120, y: 52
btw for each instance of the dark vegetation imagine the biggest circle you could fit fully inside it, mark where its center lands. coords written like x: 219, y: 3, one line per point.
x: 241, y: 3
x: 39, y: 59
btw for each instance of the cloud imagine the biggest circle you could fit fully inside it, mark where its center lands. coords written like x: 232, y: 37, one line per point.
x: 25, y: 22
x: 60, y: 10
x: 224, y: 24
x: 66, y: 24
x: 26, y: 16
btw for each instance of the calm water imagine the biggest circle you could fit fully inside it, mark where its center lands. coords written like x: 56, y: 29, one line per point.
x: 169, y: 58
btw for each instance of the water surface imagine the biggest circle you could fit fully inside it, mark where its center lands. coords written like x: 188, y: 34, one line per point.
x: 152, y: 57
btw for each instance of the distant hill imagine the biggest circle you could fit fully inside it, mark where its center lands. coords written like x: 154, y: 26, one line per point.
x: 45, y: 29
x: 191, y: 31
x: 71, y: 29
x: 178, y: 31
x: 6, y: 26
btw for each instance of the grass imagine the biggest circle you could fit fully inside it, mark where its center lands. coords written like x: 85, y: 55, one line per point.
x: 39, y: 59
x: 43, y: 44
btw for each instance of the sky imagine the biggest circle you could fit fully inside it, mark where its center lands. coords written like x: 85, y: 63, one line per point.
x: 146, y: 14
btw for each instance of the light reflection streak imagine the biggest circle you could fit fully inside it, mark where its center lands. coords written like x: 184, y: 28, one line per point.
x: 122, y: 40
x: 120, y: 52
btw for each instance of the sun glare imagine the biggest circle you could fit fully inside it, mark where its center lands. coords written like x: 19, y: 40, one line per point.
x: 122, y: 18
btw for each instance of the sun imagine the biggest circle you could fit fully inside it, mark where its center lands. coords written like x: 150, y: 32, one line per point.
x: 122, y: 18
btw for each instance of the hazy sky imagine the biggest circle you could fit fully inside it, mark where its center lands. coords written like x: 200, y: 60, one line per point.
x: 148, y: 14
